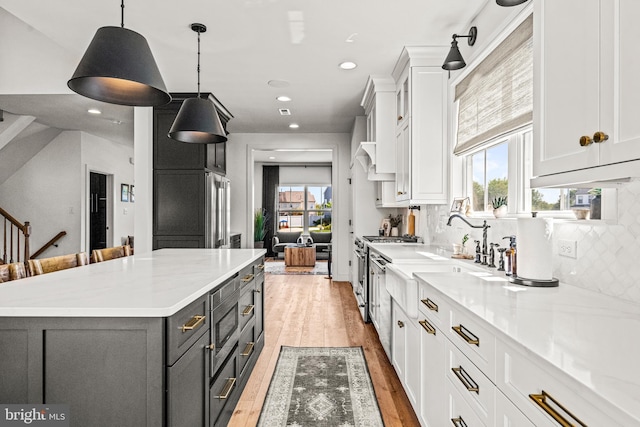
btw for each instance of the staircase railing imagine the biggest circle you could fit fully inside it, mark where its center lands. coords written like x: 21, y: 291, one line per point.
x: 15, y: 239
x: 47, y: 245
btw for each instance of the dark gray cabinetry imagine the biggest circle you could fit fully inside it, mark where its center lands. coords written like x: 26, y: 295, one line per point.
x: 236, y: 241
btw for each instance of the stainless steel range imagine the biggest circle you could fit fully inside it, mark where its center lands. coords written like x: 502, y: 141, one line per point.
x: 390, y: 239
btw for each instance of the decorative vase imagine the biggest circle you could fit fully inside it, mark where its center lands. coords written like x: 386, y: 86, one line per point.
x: 500, y: 212
x: 394, y: 231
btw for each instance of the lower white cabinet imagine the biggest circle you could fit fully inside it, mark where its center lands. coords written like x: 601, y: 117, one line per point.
x: 432, y: 375
x: 459, y: 413
x: 508, y: 415
x: 405, y: 353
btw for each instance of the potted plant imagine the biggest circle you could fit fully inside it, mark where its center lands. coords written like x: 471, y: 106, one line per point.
x: 395, y: 221
x: 499, y: 206
x: 259, y: 228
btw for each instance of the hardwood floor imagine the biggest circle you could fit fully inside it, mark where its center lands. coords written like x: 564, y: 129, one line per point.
x: 311, y: 311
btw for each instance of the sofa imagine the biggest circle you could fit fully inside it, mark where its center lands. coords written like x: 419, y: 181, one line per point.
x: 281, y: 239
x: 321, y: 240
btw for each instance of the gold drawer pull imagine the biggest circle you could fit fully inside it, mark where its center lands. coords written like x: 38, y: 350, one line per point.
x: 400, y: 324
x: 427, y: 327
x: 430, y: 304
x: 248, y: 309
x: 247, y: 278
x: 458, y: 422
x: 585, y: 140
x: 227, y: 388
x: 248, y: 349
x: 599, y: 137
x: 466, y: 335
x: 260, y: 267
x: 466, y: 380
x: 193, y: 323
x: 541, y: 400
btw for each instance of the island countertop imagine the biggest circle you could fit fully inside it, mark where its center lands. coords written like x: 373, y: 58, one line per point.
x: 152, y: 284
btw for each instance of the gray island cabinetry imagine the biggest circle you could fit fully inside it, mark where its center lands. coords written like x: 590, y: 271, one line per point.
x: 166, y: 338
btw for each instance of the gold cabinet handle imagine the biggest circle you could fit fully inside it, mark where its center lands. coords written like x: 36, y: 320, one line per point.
x: 400, y: 323
x: 257, y: 291
x: 430, y: 304
x: 400, y: 118
x: 466, y: 335
x: 260, y: 267
x: 541, y: 400
x: 585, y: 140
x: 248, y: 349
x: 193, y: 323
x: 247, y: 278
x: 248, y: 309
x: 427, y: 327
x: 458, y: 422
x: 599, y: 137
x: 211, y: 347
x: 466, y: 380
x: 400, y: 193
x: 226, y: 390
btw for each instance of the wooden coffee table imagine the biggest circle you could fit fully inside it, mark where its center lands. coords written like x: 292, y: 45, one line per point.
x: 299, y: 256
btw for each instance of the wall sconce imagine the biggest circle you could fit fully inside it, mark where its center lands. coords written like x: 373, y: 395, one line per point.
x: 454, y: 59
x: 508, y: 3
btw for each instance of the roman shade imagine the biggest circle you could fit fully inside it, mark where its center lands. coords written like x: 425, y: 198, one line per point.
x: 497, y: 96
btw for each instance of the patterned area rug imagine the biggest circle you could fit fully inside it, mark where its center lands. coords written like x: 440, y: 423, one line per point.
x: 321, y: 387
x: 278, y: 267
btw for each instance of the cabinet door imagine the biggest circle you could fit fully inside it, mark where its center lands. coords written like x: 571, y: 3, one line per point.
x: 179, y: 203
x: 169, y: 153
x: 508, y: 415
x: 399, y: 340
x: 403, y: 162
x: 413, y: 364
x: 374, y: 292
x: 432, y: 375
x: 187, y: 387
x: 567, y: 89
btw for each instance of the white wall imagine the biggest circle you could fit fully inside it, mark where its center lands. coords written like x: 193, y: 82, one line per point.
x: 242, y: 173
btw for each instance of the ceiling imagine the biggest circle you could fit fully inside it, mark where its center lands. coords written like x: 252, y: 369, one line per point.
x: 248, y: 43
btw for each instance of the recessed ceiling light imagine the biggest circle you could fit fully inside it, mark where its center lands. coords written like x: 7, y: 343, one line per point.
x: 272, y: 158
x: 294, y: 126
x: 348, y: 65
x: 94, y: 111
x: 278, y: 83
x: 283, y: 98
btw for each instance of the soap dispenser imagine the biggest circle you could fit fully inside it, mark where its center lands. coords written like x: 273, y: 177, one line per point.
x: 510, y: 254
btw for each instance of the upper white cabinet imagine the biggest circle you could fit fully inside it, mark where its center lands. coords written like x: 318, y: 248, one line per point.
x: 421, y: 127
x: 377, y: 154
x: 586, y: 85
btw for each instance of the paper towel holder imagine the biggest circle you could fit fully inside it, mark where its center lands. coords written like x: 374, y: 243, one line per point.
x: 534, y: 283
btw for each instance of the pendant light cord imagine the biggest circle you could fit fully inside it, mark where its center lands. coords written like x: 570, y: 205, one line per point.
x: 122, y: 14
x: 198, y: 64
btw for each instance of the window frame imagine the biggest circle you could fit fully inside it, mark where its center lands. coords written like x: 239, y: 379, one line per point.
x: 306, y: 211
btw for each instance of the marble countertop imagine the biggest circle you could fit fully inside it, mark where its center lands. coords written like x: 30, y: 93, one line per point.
x: 153, y: 284
x: 583, y: 334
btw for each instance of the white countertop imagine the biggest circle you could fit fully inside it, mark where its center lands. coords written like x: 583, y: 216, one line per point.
x: 588, y: 336
x: 153, y: 284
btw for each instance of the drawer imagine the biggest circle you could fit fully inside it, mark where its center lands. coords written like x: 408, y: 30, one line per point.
x: 460, y: 413
x: 507, y: 415
x: 185, y: 327
x: 476, y: 342
x: 223, y: 388
x: 246, y: 346
x: 542, y: 393
x: 258, y: 267
x: 433, y: 306
x: 246, y: 277
x: 473, y: 385
x: 246, y: 307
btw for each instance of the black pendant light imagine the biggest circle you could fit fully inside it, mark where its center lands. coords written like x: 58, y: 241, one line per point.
x: 508, y: 3
x: 197, y: 120
x: 118, y: 68
x: 454, y: 60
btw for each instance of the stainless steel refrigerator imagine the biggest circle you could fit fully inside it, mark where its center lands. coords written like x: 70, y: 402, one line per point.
x: 218, y: 215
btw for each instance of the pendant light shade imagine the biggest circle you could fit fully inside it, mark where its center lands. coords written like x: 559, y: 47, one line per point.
x: 118, y: 68
x: 454, y: 60
x: 508, y: 3
x: 197, y: 120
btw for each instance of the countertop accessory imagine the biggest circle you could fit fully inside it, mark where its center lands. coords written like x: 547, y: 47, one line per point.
x: 534, y: 283
x: 484, y: 227
x: 197, y: 120
x: 454, y: 60
x: 492, y: 255
x: 477, y: 261
x: 535, y: 248
x: 501, y: 260
x: 509, y: 3
x: 118, y: 67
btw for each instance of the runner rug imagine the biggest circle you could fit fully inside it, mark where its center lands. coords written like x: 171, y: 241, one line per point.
x: 323, y: 387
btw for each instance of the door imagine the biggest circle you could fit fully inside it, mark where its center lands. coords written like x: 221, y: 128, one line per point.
x: 97, y: 211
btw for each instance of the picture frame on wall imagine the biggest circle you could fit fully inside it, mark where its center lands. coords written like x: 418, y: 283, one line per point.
x: 131, y: 194
x: 459, y: 205
x: 124, y: 192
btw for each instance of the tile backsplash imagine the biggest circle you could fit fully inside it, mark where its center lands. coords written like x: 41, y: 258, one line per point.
x: 607, y: 256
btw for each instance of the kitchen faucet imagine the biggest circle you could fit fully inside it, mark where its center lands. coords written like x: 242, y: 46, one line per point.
x: 484, y: 227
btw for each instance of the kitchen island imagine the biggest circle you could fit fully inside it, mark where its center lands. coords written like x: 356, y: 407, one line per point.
x: 161, y: 338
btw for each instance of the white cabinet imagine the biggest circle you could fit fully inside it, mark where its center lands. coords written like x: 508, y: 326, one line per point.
x: 508, y: 415
x: 405, y: 353
x: 386, y: 194
x: 432, y: 375
x: 584, y: 85
x: 421, y: 127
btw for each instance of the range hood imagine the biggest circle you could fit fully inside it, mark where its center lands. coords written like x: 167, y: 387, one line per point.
x: 366, y: 156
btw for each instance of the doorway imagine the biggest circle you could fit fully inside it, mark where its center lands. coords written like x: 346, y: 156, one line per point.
x: 98, y: 211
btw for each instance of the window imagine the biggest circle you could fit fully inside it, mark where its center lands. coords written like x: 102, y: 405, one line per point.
x: 489, y: 175
x: 304, y: 208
